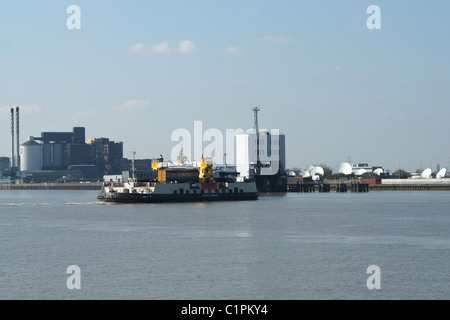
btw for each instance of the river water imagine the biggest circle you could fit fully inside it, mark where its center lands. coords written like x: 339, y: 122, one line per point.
x: 294, y: 246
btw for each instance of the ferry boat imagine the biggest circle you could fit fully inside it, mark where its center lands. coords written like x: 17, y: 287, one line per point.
x: 181, y: 182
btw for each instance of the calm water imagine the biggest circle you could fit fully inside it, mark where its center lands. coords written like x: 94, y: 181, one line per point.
x: 296, y: 246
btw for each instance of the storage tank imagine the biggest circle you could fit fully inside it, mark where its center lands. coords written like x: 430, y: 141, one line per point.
x: 345, y: 168
x: 317, y: 171
x: 426, y: 173
x: 52, y: 156
x: 359, y: 172
x: 441, y: 173
x: 30, y: 156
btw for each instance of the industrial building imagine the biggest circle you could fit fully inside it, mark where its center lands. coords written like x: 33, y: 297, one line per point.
x: 108, y: 156
x: 56, y: 155
x: 261, y: 155
x: 5, y: 166
x: 269, y: 168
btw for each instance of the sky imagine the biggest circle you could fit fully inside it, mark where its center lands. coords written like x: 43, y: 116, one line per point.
x: 136, y: 71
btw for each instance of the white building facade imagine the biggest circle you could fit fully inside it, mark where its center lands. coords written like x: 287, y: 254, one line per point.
x: 272, y: 153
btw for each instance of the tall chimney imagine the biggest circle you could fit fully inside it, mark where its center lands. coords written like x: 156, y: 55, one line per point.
x: 12, y: 138
x: 17, y: 138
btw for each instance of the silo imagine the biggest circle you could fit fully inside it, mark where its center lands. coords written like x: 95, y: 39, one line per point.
x: 53, y: 156
x: 30, y: 156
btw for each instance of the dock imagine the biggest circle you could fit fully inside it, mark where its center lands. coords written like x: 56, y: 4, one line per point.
x: 363, y: 186
x: 326, y: 187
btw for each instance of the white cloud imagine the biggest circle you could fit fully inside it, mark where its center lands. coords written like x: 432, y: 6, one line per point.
x: 233, y: 50
x: 186, y: 46
x: 328, y: 71
x: 133, y: 105
x: 160, y: 48
x: 138, y: 47
x: 22, y: 109
x: 279, y: 39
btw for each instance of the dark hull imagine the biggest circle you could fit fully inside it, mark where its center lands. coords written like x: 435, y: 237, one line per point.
x: 161, y: 198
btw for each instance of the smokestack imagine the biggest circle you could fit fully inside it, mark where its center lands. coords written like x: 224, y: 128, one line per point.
x: 17, y: 138
x: 12, y: 138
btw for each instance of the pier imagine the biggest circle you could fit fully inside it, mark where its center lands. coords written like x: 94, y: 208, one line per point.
x: 326, y: 187
x: 356, y: 186
x: 409, y: 187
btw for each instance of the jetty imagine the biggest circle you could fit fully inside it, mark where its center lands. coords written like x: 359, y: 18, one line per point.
x: 297, y: 184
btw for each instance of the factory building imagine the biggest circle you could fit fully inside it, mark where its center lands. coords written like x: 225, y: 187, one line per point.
x: 5, y: 167
x: 108, y: 156
x: 57, y: 154
x: 265, y: 162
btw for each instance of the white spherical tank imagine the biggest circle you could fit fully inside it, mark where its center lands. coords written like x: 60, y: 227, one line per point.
x: 30, y: 156
x: 426, y: 173
x: 345, y: 168
x: 317, y: 171
x: 378, y: 171
x: 441, y: 173
x: 359, y: 172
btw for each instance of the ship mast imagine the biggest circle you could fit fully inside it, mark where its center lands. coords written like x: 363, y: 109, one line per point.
x: 255, y: 125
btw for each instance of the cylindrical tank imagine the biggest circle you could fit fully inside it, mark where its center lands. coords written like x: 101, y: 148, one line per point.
x: 30, y: 156
x: 52, y: 156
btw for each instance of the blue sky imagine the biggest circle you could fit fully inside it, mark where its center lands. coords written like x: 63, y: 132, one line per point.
x: 138, y: 70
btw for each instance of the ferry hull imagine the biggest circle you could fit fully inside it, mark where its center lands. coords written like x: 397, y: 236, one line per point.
x: 162, y: 198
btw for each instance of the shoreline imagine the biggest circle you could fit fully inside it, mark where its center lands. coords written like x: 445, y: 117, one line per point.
x: 53, y: 186
x: 97, y: 186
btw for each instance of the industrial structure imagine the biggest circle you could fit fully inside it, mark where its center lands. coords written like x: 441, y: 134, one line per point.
x: 261, y: 155
x: 53, y: 156
x: 108, y: 156
x: 56, y: 155
x: 15, y: 159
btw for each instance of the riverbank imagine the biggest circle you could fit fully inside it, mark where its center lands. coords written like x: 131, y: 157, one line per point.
x: 398, y: 186
x: 52, y: 186
x: 366, y: 186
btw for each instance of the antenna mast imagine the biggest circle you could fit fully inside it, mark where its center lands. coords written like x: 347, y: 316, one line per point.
x: 12, y: 138
x: 17, y: 139
x: 256, y: 127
